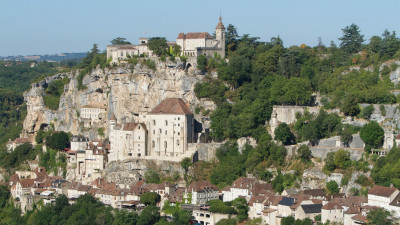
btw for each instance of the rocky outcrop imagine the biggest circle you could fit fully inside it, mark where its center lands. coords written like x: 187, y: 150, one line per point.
x: 125, y: 92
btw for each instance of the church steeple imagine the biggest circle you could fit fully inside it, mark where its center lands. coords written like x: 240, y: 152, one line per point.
x: 220, y: 36
x: 220, y: 24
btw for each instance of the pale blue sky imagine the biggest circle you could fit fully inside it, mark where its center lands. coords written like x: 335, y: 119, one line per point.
x: 54, y: 26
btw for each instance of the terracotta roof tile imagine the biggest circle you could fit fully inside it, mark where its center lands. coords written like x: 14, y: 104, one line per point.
x: 315, y: 192
x: 171, y: 106
x: 130, y: 126
x: 382, y: 191
x: 360, y: 217
x: 256, y: 199
x: 25, y: 183
x: 197, y: 35
x: 332, y: 206
x: 201, y: 185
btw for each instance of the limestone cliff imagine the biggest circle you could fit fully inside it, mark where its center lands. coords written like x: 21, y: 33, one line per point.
x: 125, y: 92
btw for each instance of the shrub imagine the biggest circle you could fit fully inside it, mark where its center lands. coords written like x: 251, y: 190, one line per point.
x: 372, y: 134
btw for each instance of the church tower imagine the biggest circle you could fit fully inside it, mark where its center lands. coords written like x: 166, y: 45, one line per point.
x: 220, y: 36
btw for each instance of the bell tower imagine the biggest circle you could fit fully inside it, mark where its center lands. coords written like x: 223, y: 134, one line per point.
x: 220, y: 36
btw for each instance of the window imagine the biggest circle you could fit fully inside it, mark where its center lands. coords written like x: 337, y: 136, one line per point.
x: 179, y: 118
x: 160, y: 131
x: 154, y: 131
x: 179, y: 133
x: 153, y: 144
x: 177, y: 142
x: 166, y: 132
x: 139, y: 137
x: 154, y: 122
x: 165, y: 144
x: 166, y: 123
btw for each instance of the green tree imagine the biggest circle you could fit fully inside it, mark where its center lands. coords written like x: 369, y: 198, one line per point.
x: 158, y: 45
x: 202, y: 62
x: 350, y: 107
x: 58, y: 140
x: 367, y: 112
x: 226, y: 222
x: 152, y: 176
x: 332, y: 187
x: 346, y: 136
x: 352, y: 39
x: 150, y: 198
x: 120, y: 41
x: 283, y: 134
x: 379, y: 217
x: 342, y: 159
x: 149, y: 216
x: 304, y: 152
x: 182, y: 217
x: 242, y: 209
x: 372, y: 134
x: 231, y: 38
x: 288, y: 220
x: 176, y: 50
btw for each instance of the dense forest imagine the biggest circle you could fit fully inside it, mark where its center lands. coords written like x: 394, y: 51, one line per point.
x: 15, y: 78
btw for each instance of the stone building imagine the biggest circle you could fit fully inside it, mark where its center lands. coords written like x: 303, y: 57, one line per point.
x: 123, y: 52
x: 93, y: 111
x: 11, y: 145
x: 170, y: 128
x: 164, y: 133
x: 195, y: 44
x: 127, y: 140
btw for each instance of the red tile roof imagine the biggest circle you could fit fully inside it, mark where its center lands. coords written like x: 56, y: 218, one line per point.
x: 382, y: 191
x: 197, y: 35
x: 360, y: 217
x: 256, y: 199
x: 332, y: 206
x: 201, y: 185
x: 25, y: 183
x: 171, y: 106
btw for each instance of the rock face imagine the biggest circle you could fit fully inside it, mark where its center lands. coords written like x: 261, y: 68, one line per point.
x: 125, y: 92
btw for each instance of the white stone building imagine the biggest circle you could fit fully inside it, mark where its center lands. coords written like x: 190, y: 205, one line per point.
x: 202, y: 192
x: 195, y: 44
x: 93, y: 111
x: 11, y: 145
x: 123, y: 52
x: 127, y: 140
x: 91, y: 160
x: 245, y: 187
x: 170, y: 128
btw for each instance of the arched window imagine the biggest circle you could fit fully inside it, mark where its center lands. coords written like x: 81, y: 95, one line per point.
x: 166, y: 123
x: 177, y: 142
x: 154, y: 122
x: 153, y: 144
x: 165, y: 144
x: 160, y: 131
x: 166, y: 132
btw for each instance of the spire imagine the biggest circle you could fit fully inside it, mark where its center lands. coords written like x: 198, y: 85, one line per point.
x: 220, y: 24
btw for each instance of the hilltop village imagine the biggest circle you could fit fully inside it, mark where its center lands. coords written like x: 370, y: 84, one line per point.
x: 212, y: 129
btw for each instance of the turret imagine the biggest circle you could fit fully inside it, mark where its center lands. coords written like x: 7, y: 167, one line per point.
x: 220, y: 36
x: 113, y: 121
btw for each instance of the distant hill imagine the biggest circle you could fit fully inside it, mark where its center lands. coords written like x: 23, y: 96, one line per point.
x: 50, y: 58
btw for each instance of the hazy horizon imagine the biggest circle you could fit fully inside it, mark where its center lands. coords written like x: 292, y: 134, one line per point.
x: 49, y: 27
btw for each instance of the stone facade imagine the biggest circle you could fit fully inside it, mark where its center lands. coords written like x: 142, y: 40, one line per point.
x: 127, y: 140
x: 164, y: 133
x: 123, y: 52
x: 195, y: 44
x: 93, y: 111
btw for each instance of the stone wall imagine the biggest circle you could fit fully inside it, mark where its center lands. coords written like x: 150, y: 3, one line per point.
x: 205, y: 151
x: 287, y: 114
